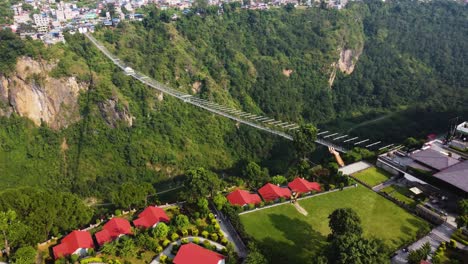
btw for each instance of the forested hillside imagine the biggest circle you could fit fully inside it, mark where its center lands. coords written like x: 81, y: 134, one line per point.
x: 400, y: 57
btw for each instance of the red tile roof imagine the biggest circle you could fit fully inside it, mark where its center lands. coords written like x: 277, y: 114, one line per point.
x: 243, y: 197
x: 112, y: 230
x: 271, y: 192
x: 151, y: 216
x: 195, y: 254
x: 73, y: 241
x: 303, y: 186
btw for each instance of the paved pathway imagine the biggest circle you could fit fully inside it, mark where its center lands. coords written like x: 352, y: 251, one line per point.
x: 230, y: 233
x: 354, y: 167
x: 381, y: 186
x: 435, y: 238
x: 167, y: 250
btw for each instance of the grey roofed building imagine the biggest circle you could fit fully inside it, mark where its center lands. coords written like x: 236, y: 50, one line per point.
x: 434, y: 159
x: 456, y: 175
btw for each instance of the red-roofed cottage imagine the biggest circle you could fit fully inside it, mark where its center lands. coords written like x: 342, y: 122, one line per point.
x: 194, y: 254
x: 113, y: 229
x: 271, y: 192
x: 77, y: 242
x: 150, y: 217
x: 243, y: 197
x: 300, y: 185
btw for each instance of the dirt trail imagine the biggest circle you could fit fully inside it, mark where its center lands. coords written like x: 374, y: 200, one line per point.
x: 300, y: 209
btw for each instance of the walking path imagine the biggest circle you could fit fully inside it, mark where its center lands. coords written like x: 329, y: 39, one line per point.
x: 383, y: 185
x: 354, y: 167
x: 168, y: 249
x: 230, y: 233
x: 300, y: 209
x: 438, y: 235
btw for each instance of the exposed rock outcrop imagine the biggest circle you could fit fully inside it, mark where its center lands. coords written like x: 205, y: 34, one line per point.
x: 346, y: 62
x: 115, y: 111
x: 32, y: 93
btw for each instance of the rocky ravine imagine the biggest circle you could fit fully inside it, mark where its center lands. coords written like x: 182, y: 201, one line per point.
x: 32, y: 93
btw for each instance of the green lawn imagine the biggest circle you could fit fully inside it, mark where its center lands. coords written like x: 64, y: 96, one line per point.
x: 372, y: 176
x: 399, y: 193
x: 290, y: 237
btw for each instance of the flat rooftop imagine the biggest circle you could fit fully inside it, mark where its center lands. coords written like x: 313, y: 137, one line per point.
x: 456, y: 175
x: 434, y: 159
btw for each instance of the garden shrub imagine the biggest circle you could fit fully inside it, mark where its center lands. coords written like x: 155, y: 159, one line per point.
x: 453, y: 243
x: 194, y: 232
x: 282, y: 199
x: 184, y: 232
x: 118, y: 212
x: 224, y: 241
x: 214, y: 237
x: 163, y: 258
x: 184, y: 240
x: 217, y: 227
x: 213, y: 221
x: 211, y: 216
x: 166, y: 242
x: 251, y: 206
x: 205, y: 234
x: 196, y: 240
x: 174, y: 236
x: 261, y: 204
x: 159, y: 249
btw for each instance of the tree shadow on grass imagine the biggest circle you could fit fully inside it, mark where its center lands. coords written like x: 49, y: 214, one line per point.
x: 305, y: 242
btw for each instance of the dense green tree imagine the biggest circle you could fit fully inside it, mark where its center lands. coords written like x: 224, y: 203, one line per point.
x: 462, y: 219
x: 24, y: 255
x: 161, y: 230
x: 279, y: 179
x: 11, y: 47
x: 256, y: 176
x: 416, y: 256
x: 8, y: 227
x: 304, y: 140
x: 354, y: 249
x: 182, y: 221
x: 201, y: 183
x: 131, y: 194
x: 202, y: 204
x: 41, y: 214
x: 254, y: 256
x: 343, y: 222
x: 220, y: 201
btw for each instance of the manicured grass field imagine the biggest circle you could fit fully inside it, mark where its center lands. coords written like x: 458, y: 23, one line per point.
x: 372, y: 176
x: 290, y: 237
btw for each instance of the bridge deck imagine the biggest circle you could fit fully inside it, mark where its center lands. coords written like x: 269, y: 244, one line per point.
x: 265, y: 123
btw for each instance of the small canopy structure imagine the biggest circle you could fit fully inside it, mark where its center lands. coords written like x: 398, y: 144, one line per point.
x: 271, y: 192
x: 415, y: 190
x: 243, y: 197
x: 301, y: 185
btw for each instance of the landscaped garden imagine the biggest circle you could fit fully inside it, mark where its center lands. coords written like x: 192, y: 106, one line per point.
x: 372, y: 176
x: 286, y: 236
x: 400, y: 193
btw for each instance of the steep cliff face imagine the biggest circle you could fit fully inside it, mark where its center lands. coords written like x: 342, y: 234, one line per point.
x: 32, y: 93
x: 346, y: 62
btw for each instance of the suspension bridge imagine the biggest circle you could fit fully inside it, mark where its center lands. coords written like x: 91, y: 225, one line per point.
x: 336, y: 141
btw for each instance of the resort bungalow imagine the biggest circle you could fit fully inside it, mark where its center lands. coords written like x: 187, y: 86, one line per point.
x: 271, y: 192
x: 77, y: 242
x: 194, y: 254
x: 300, y: 185
x: 243, y: 197
x: 112, y: 230
x: 150, y: 217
